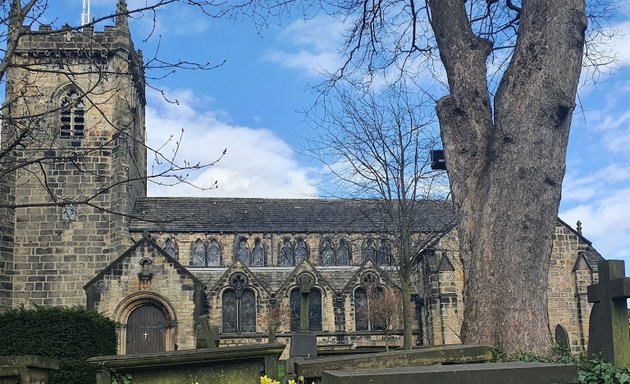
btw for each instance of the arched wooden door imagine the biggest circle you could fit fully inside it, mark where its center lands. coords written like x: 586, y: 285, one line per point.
x: 146, y: 330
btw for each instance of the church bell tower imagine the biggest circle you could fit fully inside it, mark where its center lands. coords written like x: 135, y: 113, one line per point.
x: 72, y: 158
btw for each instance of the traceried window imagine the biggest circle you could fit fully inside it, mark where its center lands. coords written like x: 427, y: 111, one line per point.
x: 206, y: 254
x: 327, y: 253
x: 314, y: 309
x: 364, y: 319
x: 343, y: 253
x: 72, y: 115
x: 239, y: 306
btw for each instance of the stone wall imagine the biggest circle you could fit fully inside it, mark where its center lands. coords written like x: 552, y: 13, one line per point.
x: 569, y: 275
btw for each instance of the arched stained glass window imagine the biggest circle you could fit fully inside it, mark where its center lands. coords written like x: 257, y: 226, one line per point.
x: 72, y: 115
x: 343, y: 253
x: 314, y: 309
x: 242, y: 252
x: 230, y: 312
x: 369, y: 251
x: 286, y: 253
x: 247, y: 312
x: 328, y: 253
x: 294, y: 303
x: 258, y: 254
x: 214, y: 254
x: 170, y: 249
x: 361, y: 309
x: 199, y: 254
x: 383, y: 255
x: 301, y: 251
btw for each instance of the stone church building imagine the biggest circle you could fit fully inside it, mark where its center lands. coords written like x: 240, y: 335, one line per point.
x: 78, y: 229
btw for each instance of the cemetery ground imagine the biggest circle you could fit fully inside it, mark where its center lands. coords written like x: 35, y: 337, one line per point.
x: 74, y: 346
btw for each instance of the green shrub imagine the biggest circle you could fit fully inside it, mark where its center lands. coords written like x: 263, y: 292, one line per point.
x: 68, y: 334
x: 590, y: 371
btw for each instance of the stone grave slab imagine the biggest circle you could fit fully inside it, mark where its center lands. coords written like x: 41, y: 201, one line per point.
x: 483, y: 373
x: 26, y: 369
x: 225, y: 365
x: 444, y: 354
x: 303, y: 345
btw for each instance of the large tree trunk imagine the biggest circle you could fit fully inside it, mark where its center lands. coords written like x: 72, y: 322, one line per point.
x: 506, y: 169
x: 407, y: 313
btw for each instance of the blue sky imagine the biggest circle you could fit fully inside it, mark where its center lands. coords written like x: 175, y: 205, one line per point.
x: 252, y: 105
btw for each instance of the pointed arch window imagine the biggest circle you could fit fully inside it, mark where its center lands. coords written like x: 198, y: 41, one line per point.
x: 384, y: 254
x: 206, y: 254
x: 169, y: 247
x: 314, y: 309
x: 72, y: 117
x: 213, y: 254
x: 242, y: 251
x: 286, y: 253
x: 238, y: 306
x: 343, y: 253
x: 199, y: 254
x: 258, y: 254
x: 327, y: 253
x: 301, y: 251
x: 364, y: 317
x: 369, y: 250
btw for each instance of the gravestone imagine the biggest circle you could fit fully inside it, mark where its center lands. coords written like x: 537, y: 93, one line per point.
x: 608, y: 329
x: 304, y: 343
x: 562, y: 338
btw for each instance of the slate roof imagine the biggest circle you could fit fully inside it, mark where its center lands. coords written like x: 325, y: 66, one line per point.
x: 176, y: 214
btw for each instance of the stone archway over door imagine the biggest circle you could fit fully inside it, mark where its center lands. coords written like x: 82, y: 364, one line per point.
x: 146, y: 330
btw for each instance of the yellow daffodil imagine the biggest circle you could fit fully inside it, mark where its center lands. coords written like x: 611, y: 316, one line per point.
x: 291, y: 382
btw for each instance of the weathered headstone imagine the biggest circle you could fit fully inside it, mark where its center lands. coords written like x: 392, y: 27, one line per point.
x: 608, y: 329
x: 562, y: 338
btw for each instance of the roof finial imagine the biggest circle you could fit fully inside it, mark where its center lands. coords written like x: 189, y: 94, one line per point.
x: 121, y: 14
x: 579, y: 227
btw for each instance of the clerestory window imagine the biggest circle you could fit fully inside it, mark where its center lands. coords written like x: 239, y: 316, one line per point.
x: 72, y: 115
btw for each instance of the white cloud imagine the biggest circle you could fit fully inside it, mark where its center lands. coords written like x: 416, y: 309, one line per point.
x: 314, y: 45
x: 605, y: 221
x: 257, y: 163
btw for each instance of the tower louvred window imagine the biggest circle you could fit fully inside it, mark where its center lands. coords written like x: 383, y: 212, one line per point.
x: 72, y: 115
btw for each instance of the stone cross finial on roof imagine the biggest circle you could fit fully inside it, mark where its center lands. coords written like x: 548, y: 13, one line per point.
x: 579, y: 227
x: 608, y: 330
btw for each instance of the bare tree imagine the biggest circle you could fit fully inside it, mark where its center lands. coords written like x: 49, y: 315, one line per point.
x: 278, y: 315
x: 384, y: 310
x: 511, y: 73
x: 375, y: 146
